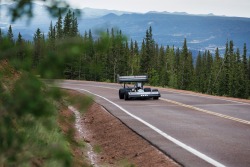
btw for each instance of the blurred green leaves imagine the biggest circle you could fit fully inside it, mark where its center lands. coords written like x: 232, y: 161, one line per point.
x: 23, y: 8
x: 29, y: 133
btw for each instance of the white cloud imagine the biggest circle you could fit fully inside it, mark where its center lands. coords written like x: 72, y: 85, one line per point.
x: 202, y: 40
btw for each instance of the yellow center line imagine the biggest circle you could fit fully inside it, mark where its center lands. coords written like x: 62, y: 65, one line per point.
x: 208, y: 112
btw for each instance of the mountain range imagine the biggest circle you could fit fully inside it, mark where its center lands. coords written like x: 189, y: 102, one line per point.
x: 203, y: 32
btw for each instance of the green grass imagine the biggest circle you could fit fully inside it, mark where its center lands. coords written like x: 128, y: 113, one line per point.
x: 97, y: 149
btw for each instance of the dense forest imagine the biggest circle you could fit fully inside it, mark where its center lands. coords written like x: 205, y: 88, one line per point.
x: 65, y: 53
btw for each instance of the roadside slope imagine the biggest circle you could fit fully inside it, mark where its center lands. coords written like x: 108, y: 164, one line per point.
x: 117, y: 145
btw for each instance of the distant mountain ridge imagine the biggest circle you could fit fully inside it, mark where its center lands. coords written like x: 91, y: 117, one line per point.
x: 203, y: 32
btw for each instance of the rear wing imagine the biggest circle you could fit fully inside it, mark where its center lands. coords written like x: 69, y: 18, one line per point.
x: 137, y: 78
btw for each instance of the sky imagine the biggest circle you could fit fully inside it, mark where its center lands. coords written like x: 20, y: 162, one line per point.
x: 240, y: 8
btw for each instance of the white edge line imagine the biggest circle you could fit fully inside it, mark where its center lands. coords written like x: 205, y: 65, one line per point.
x: 177, y: 142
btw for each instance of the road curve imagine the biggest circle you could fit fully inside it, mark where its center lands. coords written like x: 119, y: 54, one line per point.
x: 193, y: 129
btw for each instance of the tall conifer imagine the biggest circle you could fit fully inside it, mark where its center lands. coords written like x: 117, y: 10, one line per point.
x: 10, y: 35
x: 59, y: 27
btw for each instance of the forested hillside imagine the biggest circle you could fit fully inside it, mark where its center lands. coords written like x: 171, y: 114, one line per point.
x: 65, y: 53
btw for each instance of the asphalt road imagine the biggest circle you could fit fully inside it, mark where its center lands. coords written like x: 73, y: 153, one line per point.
x: 193, y: 129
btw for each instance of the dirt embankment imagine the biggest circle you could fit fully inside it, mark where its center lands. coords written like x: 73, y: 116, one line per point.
x: 119, y: 146
x: 115, y: 144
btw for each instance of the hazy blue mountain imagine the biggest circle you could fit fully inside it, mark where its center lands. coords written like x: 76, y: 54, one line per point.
x: 201, y: 31
x: 95, y: 13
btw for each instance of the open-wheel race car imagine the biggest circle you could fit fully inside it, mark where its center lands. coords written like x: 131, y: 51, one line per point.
x: 137, y: 91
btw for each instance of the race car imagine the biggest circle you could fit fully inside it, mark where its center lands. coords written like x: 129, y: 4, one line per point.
x: 137, y: 91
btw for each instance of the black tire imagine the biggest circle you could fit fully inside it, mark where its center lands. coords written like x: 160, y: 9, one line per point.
x: 126, y: 96
x: 121, y: 93
x: 155, y: 98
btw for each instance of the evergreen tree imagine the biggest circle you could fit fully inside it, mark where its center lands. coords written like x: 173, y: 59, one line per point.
x: 224, y: 79
x: 249, y: 75
x: 37, y: 47
x: 186, y: 68
x: 10, y: 35
x: 246, y: 84
x: 232, y: 71
x: 135, y: 66
x: 59, y: 27
x: 163, y: 66
x: 177, y: 67
x: 143, y: 56
x: 52, y: 37
x: 240, y: 88
x: 74, y: 29
x: 172, y: 67
x: 198, y: 74
x: 210, y: 79
x: 216, y: 72
x: 125, y: 65
x: 148, y: 53
x: 67, y: 24
x: 20, y: 46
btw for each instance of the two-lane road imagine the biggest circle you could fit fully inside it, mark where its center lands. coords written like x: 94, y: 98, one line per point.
x: 193, y: 129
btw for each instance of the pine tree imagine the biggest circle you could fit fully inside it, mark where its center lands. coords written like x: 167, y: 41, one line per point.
x: 216, y: 72
x: 10, y: 35
x: 246, y: 84
x: 198, y: 73
x: 143, y: 63
x: 148, y: 53
x: 224, y: 79
x: 186, y: 68
x: 204, y: 72
x: 59, y: 27
x: 163, y: 66
x: 249, y: 75
x: 232, y: 71
x: 178, y: 67
x: 125, y: 65
x: 74, y: 28
x: 171, y: 64
x: 20, y: 46
x: 210, y: 79
x: 240, y: 88
x: 67, y: 24
x: 51, y: 37
x: 37, y: 47
x: 136, y: 59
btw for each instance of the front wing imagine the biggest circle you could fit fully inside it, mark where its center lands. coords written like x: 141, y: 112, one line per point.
x: 143, y: 94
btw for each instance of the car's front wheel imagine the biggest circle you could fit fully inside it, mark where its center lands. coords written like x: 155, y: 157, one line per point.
x: 121, y: 94
x: 126, y: 96
x: 155, y: 98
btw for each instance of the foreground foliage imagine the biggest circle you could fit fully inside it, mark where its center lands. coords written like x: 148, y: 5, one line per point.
x: 29, y: 132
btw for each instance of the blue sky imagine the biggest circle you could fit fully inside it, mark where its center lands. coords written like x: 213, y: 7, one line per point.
x: 218, y: 7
